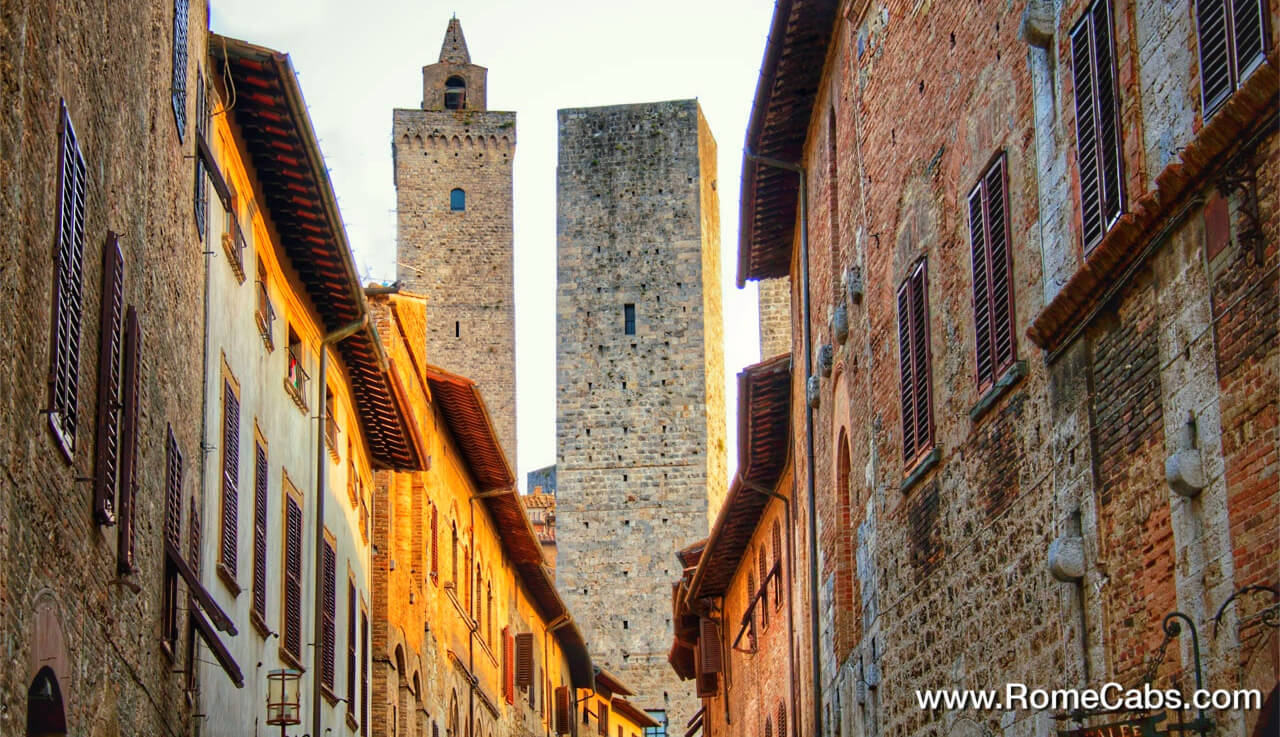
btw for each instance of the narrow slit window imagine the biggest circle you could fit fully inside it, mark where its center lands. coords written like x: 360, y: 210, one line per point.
x: 629, y: 319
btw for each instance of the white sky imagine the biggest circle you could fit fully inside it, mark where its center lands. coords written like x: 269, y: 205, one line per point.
x: 357, y: 61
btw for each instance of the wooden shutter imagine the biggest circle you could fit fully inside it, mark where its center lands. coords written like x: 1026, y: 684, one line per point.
x: 351, y: 647
x: 777, y: 558
x: 200, y: 192
x: 913, y: 346
x: 106, y: 462
x: 435, y: 542
x: 364, y: 673
x: 193, y: 524
x: 1232, y: 42
x: 782, y: 719
x: 508, y: 663
x: 181, y: 11
x: 524, y: 659
x: 328, y: 616
x: 68, y: 289
x: 230, y: 539
x: 711, y: 655
x: 762, y: 596
x: 992, y: 295
x: 129, y: 442
x: 1097, y: 123
x: 173, y: 492
x: 260, y: 531
x: 708, y: 684
x: 564, y: 710
x: 293, y: 578
x: 602, y: 719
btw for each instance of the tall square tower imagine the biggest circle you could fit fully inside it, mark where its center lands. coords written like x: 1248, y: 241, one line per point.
x: 640, y: 428
x: 454, y: 245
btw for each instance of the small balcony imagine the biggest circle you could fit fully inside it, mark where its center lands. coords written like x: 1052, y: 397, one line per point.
x: 295, y: 381
x: 233, y: 245
x: 265, y: 316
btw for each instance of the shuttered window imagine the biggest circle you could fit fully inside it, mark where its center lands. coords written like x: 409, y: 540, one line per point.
x: 351, y: 647
x: 1233, y: 41
x: 328, y: 615
x: 364, y: 674
x: 913, y: 352
x: 777, y: 556
x: 230, y: 538
x: 200, y: 191
x: 1097, y: 123
x: 172, y: 538
x: 293, y: 577
x: 762, y: 596
x: 260, y: 531
x: 435, y: 543
x: 992, y: 270
x: 181, y: 12
x: 710, y: 653
x: 782, y: 719
x: 602, y: 719
x: 564, y: 710
x: 524, y: 659
x: 68, y: 289
x: 106, y: 460
x: 508, y: 666
x: 129, y: 442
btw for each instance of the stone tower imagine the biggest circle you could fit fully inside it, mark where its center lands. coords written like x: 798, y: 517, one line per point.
x: 640, y: 427
x: 452, y: 161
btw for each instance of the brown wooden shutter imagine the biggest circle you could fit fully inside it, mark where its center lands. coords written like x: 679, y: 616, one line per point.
x: 524, y: 659
x: 178, y: 94
x: 782, y: 719
x: 351, y: 647
x: 707, y: 685
x: 508, y: 662
x: 777, y: 559
x: 1232, y: 42
x: 711, y: 654
x: 602, y: 719
x: 106, y: 462
x: 230, y: 539
x: 200, y: 192
x: 364, y: 673
x: 913, y: 338
x: 173, y: 492
x: 1097, y: 123
x: 259, y: 602
x: 564, y: 710
x: 293, y: 578
x: 762, y: 596
x: 129, y: 443
x: 992, y: 295
x: 328, y: 616
x: 68, y: 289
x: 435, y: 541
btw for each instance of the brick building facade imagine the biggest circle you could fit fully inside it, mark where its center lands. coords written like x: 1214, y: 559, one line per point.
x: 640, y: 458
x: 1034, y: 316
x: 454, y: 244
x: 102, y: 269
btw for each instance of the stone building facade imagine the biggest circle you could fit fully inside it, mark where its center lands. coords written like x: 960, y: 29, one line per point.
x: 470, y: 637
x: 103, y: 274
x: 452, y: 160
x: 640, y: 428
x: 1033, y: 310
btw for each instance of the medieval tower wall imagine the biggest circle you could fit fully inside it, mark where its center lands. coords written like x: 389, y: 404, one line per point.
x: 640, y: 426
x: 453, y: 164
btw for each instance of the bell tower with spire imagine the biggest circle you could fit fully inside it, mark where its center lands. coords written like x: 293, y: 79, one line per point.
x: 452, y: 160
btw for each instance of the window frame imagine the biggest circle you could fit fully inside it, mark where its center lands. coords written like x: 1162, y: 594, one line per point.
x: 1235, y: 72
x: 1087, y: 25
x: 68, y: 288
x: 916, y: 283
x: 457, y: 200
x: 986, y: 228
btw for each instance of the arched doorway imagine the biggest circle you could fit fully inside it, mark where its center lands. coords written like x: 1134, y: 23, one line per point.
x: 45, y: 715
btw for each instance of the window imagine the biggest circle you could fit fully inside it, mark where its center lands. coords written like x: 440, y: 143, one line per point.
x: 230, y: 539
x: 602, y: 718
x: 259, y: 603
x: 129, y: 446
x: 106, y: 462
x: 457, y: 200
x: 524, y: 660
x: 455, y: 93
x: 564, y: 710
x: 1233, y: 41
x: 1097, y: 123
x: 201, y: 189
x: 777, y: 557
x: 763, y: 594
x: 351, y: 647
x: 364, y: 672
x: 659, y: 716
x: 328, y: 612
x: 453, y: 560
x: 508, y: 666
x: 629, y: 319
x: 992, y: 271
x: 782, y: 719
x: 913, y: 347
x: 296, y: 379
x: 266, y: 314
x: 768, y: 727
x: 68, y: 290
x: 330, y: 423
x: 751, y: 612
x: 435, y: 547
x: 178, y: 94
x: 292, y: 609
x: 172, y: 540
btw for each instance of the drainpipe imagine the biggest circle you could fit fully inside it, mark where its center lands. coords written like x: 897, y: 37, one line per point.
x: 791, y: 618
x: 808, y: 432
x: 322, y: 463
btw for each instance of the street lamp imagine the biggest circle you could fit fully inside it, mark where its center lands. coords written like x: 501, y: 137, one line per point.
x: 282, y: 698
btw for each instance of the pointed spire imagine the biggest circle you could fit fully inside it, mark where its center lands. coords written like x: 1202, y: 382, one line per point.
x: 454, y: 49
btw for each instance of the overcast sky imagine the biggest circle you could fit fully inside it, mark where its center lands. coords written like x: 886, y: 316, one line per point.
x: 358, y: 60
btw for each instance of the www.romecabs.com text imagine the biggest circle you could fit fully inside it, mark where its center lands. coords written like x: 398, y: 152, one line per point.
x: 1111, y: 697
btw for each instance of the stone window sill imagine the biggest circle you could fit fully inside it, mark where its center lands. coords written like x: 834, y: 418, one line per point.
x: 1007, y: 381
x: 922, y: 468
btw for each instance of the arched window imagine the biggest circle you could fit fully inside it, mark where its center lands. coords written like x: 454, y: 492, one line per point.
x: 768, y: 727
x: 777, y: 556
x: 782, y: 719
x: 44, y: 705
x: 452, y: 730
x: 842, y: 470
x: 455, y: 93
x: 764, y: 587
x: 458, y: 200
